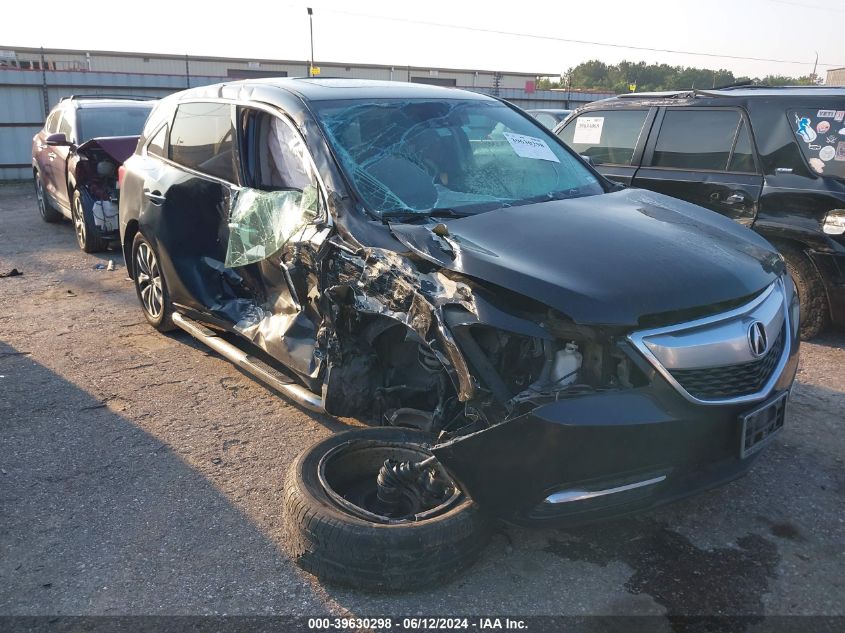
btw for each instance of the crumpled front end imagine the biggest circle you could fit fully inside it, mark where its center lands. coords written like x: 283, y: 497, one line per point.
x: 95, y: 170
x: 635, y: 433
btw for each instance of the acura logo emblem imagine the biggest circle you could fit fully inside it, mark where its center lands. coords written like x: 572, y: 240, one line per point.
x: 757, y: 339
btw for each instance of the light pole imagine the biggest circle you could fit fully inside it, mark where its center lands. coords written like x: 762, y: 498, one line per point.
x: 311, y: 27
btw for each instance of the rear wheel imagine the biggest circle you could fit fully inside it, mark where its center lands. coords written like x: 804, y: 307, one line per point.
x: 352, y: 520
x: 47, y: 212
x: 814, y: 309
x: 150, y: 285
x: 83, y: 225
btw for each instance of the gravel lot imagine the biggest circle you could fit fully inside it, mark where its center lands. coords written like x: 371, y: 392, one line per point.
x: 142, y: 474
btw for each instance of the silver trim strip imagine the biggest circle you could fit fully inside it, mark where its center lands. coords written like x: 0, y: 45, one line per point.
x: 638, y: 340
x: 568, y: 496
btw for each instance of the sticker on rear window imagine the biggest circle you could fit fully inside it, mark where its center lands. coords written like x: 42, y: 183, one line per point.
x: 840, y: 114
x: 530, y: 147
x: 588, y: 130
x: 807, y: 133
x: 826, y: 114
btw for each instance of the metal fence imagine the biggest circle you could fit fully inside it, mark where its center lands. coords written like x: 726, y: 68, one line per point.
x: 26, y: 96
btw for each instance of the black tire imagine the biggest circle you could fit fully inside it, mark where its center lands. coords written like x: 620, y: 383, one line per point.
x: 87, y: 234
x: 152, y: 294
x: 814, y: 309
x: 340, y: 547
x: 45, y: 210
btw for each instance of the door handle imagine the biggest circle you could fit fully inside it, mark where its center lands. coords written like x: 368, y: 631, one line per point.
x: 154, y: 196
x: 51, y: 155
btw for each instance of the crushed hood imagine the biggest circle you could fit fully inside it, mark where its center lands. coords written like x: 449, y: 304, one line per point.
x: 118, y: 147
x: 607, y: 259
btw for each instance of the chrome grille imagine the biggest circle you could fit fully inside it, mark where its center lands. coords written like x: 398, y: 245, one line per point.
x: 730, y: 381
x: 712, y: 360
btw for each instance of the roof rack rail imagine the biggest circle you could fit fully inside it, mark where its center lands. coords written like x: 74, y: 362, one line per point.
x: 108, y: 96
x: 664, y: 94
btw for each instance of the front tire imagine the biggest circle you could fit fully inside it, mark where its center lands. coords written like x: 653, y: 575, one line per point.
x: 150, y: 285
x: 336, y: 545
x: 812, y: 297
x: 47, y: 212
x: 83, y: 225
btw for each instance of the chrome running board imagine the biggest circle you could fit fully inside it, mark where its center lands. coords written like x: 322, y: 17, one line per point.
x: 255, y: 366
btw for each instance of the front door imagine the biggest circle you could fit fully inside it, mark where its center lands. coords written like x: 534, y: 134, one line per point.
x: 704, y: 156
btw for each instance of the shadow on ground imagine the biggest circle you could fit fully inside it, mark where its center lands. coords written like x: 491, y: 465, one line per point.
x: 100, y: 517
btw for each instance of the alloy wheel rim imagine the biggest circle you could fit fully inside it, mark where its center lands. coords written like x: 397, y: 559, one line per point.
x: 39, y: 194
x: 79, y: 222
x: 148, y: 278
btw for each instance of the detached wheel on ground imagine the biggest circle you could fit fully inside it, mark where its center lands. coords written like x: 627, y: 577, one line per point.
x: 84, y: 227
x: 815, y: 312
x: 47, y: 212
x: 150, y: 285
x: 353, y: 519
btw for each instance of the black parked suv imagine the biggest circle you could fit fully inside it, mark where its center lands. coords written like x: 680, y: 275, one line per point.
x: 770, y: 158
x: 526, y: 335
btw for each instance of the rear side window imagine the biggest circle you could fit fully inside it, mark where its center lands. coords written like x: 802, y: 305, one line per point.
x: 156, y: 144
x: 698, y: 139
x: 821, y: 137
x: 607, y: 137
x: 202, y: 138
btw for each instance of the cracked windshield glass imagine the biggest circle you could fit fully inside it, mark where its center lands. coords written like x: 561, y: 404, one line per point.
x: 408, y: 157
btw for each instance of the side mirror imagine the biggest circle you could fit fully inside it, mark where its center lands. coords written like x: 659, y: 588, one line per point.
x: 57, y: 140
x: 585, y: 158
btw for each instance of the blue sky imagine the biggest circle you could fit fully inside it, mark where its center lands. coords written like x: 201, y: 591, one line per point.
x: 788, y: 30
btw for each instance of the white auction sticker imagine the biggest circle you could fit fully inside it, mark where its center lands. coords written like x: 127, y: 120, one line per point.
x: 530, y: 147
x: 588, y: 130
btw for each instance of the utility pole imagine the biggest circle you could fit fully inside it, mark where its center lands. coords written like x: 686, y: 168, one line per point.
x: 311, y: 27
x: 187, y: 72
x: 815, y: 65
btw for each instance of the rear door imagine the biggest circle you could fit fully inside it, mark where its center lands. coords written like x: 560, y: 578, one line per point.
x: 704, y: 156
x: 613, y: 140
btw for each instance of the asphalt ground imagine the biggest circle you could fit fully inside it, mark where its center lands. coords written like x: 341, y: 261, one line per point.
x: 142, y: 474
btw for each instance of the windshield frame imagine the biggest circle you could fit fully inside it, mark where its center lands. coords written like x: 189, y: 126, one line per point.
x: 400, y: 215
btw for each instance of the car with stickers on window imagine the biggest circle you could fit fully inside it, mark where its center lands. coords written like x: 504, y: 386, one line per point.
x: 770, y: 158
x: 527, y: 339
x: 75, y: 160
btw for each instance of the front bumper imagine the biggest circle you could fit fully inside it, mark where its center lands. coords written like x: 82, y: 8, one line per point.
x: 604, y: 442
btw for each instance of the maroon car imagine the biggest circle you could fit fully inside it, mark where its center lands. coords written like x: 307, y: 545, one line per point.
x: 75, y: 159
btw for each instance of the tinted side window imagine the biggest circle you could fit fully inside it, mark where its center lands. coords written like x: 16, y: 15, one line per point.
x: 696, y: 139
x: 743, y: 156
x: 606, y: 136
x: 202, y: 138
x: 156, y: 144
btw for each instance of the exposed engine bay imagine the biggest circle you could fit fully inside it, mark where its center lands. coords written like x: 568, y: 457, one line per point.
x: 95, y: 172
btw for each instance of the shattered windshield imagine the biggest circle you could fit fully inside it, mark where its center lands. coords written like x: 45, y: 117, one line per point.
x: 420, y: 155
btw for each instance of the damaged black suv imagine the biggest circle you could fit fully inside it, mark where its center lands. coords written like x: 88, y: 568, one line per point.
x: 533, y: 342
